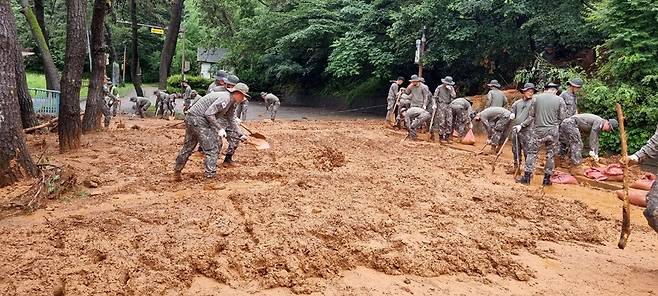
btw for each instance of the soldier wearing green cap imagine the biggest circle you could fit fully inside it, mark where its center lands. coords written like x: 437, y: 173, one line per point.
x: 443, y: 95
x: 572, y: 127
x: 207, y: 121
x: 521, y: 109
x: 569, y: 96
x: 495, y: 97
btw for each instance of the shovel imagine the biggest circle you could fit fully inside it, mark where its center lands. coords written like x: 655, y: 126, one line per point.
x: 256, y: 139
x: 255, y: 135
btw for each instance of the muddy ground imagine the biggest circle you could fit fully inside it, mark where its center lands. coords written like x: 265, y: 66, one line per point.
x: 334, y: 208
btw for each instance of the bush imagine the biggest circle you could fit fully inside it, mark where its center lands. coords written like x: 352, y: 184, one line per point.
x: 198, y: 83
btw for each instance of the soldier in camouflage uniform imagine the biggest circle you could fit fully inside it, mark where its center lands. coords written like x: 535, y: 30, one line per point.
x: 462, y: 113
x: 496, y: 122
x: 428, y: 101
x: 648, y: 151
x: 392, y: 96
x: 141, y: 105
x: 570, y: 130
x: 443, y: 96
x: 546, y: 113
x: 272, y: 104
x: 569, y: 96
x: 114, y: 101
x: 414, y: 117
x: 495, y: 97
x: 403, y: 103
x: 219, y: 82
x: 206, y: 123
x: 187, y: 101
x: 159, y: 102
x: 521, y: 109
x: 415, y: 92
x: 109, y: 100
x: 187, y: 90
x: 241, y: 111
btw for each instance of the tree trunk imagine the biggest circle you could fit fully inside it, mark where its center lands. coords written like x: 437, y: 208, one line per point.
x: 15, y: 159
x: 70, y: 125
x: 170, y: 42
x: 28, y: 117
x: 52, y: 76
x: 135, y: 71
x: 92, y: 118
x: 41, y: 19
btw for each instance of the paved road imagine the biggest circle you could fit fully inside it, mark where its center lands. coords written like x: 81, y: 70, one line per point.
x: 256, y: 109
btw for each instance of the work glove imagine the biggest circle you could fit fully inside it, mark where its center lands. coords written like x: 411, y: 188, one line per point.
x: 222, y: 133
x: 488, y: 142
x: 512, y: 116
x: 433, y: 107
x: 517, y: 128
x: 594, y: 156
x: 243, y: 138
x: 470, y: 125
x: 629, y: 159
x: 238, y: 121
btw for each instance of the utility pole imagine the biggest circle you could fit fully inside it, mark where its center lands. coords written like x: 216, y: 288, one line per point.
x: 421, y: 53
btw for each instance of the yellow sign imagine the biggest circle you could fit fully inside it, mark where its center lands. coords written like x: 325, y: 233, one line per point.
x: 158, y: 31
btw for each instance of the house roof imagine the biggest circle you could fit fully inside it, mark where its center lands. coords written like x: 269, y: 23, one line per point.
x: 210, y: 55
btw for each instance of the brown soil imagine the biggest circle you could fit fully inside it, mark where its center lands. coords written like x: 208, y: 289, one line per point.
x: 335, y: 207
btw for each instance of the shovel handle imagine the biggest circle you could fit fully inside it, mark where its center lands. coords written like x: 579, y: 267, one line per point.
x: 626, y: 211
x: 246, y: 128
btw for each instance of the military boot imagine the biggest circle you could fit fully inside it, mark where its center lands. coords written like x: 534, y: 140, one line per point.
x: 525, y: 179
x: 228, y: 161
x: 547, y: 180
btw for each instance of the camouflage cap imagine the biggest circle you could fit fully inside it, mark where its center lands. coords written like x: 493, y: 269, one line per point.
x: 241, y: 87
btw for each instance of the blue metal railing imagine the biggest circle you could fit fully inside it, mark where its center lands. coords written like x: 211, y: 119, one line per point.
x: 45, y: 101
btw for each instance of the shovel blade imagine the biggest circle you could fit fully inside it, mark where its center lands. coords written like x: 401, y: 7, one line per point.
x: 258, y: 136
x: 259, y: 144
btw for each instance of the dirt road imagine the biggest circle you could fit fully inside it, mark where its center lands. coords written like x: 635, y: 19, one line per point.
x: 334, y: 208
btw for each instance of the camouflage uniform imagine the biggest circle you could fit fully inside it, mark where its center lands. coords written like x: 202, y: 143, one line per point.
x: 570, y: 102
x: 521, y: 109
x: 114, y: 101
x: 391, y: 98
x: 272, y: 104
x: 650, y: 150
x: 404, y: 103
x: 443, y: 118
x: 414, y: 117
x: 570, y: 130
x: 461, y: 115
x: 105, y: 108
x: 416, y: 96
x: 496, y: 98
x: 496, y: 121
x: 141, y: 106
x: 428, y: 101
x: 241, y: 110
x: 211, y: 113
x: 546, y: 113
x: 187, y: 102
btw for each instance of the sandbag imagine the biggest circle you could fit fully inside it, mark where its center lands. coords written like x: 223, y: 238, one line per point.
x: 635, y: 196
x: 563, y: 178
x: 469, y: 138
x: 645, y: 182
x: 613, y: 172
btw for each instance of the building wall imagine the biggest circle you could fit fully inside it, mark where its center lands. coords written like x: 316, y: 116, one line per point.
x: 205, y: 69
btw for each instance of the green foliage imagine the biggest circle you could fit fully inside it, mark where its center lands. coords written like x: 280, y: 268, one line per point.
x: 198, y: 83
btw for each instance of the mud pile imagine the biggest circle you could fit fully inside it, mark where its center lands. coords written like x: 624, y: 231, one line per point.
x: 330, y: 197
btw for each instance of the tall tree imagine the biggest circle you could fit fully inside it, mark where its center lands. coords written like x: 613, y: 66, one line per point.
x: 92, y: 118
x: 15, y: 159
x: 41, y: 19
x: 70, y: 125
x: 52, y: 76
x: 28, y: 117
x: 170, y: 42
x: 135, y: 71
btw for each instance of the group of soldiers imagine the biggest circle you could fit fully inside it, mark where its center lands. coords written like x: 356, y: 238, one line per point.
x: 534, y: 121
x: 538, y: 119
